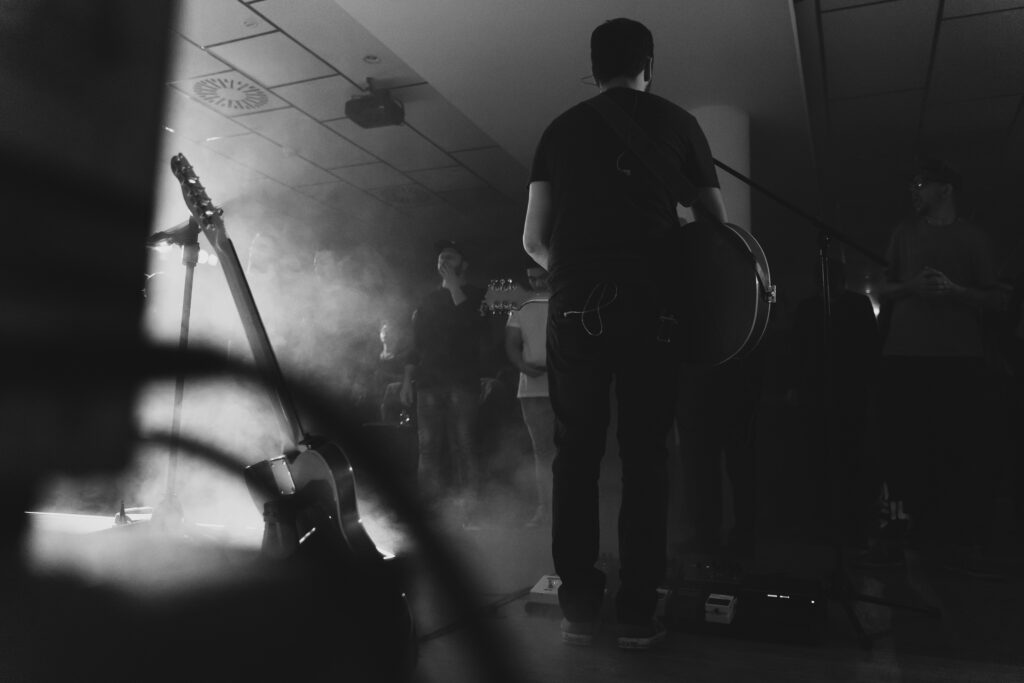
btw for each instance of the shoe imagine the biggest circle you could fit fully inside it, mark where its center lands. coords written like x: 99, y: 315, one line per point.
x: 972, y: 562
x: 641, y: 636
x: 578, y: 632
x: 882, y: 555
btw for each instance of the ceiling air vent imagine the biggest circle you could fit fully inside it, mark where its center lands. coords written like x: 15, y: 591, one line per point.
x: 230, y: 94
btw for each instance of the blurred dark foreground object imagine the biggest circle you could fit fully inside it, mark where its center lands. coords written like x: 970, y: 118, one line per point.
x: 83, y: 84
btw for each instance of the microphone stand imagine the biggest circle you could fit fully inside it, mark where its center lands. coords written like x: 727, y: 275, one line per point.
x: 839, y: 585
x: 168, y: 514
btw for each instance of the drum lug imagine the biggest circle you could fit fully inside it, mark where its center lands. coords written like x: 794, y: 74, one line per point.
x: 770, y: 294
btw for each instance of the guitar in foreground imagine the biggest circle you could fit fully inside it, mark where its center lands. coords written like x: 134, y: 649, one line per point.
x: 314, y: 517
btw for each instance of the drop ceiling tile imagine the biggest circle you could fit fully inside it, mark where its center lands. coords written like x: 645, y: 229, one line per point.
x: 189, y: 61
x: 260, y: 154
x: 878, y: 48
x: 981, y: 56
x: 192, y: 120
x: 273, y: 59
x: 400, y: 146
x: 292, y: 129
x: 865, y: 126
x: 332, y: 33
x: 476, y: 198
x: 341, y: 195
x: 433, y: 116
x: 959, y: 8
x: 975, y: 120
x: 231, y: 93
x: 498, y: 168
x: 323, y: 98
x: 206, y: 22
x: 451, y: 178
x: 371, y: 176
x: 404, y: 196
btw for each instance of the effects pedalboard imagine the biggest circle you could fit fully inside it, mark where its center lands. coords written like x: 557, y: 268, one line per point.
x: 757, y: 606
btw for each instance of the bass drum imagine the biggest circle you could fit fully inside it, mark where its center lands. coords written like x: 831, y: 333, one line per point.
x: 722, y: 290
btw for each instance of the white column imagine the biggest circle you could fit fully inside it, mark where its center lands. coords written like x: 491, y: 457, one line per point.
x: 728, y: 132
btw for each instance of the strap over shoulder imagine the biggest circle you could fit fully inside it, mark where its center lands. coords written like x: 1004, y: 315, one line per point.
x: 647, y: 150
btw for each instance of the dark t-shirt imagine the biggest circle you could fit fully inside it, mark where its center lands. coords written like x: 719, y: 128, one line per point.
x: 945, y: 326
x: 607, y: 222
x: 446, y: 339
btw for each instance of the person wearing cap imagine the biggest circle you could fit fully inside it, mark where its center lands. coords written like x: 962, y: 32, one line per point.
x: 939, y: 279
x: 442, y: 378
x: 597, y: 219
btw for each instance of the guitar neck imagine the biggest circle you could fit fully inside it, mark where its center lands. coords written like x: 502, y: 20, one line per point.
x: 259, y: 341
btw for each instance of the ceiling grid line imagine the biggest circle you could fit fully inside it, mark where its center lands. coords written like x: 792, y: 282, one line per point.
x: 852, y: 7
x: 242, y: 39
x: 827, y: 153
x: 982, y: 14
x: 929, y: 74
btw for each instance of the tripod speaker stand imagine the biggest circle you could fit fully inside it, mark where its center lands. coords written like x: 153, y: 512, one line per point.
x: 839, y: 584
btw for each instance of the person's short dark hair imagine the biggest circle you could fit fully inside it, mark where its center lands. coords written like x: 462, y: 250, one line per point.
x: 441, y: 245
x: 939, y: 171
x: 619, y: 47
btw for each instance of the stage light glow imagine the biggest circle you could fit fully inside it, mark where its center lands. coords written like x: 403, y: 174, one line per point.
x: 203, y: 256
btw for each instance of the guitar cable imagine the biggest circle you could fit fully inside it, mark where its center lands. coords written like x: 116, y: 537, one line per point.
x: 604, y: 299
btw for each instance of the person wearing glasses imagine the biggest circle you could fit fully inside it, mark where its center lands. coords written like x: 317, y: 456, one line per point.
x: 932, y: 411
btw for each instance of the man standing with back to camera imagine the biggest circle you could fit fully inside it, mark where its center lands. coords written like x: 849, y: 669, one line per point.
x: 598, y: 220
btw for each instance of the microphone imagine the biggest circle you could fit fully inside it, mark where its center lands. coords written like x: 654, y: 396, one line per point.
x: 184, y: 233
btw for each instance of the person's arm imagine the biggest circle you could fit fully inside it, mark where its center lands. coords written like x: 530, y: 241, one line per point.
x: 989, y: 299
x: 405, y: 394
x: 710, y: 205
x: 537, y: 227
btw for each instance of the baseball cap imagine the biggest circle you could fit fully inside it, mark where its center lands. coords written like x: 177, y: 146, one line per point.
x: 441, y: 245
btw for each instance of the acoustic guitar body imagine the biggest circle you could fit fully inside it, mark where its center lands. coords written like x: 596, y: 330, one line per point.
x: 722, y: 291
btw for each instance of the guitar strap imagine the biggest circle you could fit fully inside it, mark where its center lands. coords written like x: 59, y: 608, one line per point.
x: 645, y: 149
x: 661, y: 167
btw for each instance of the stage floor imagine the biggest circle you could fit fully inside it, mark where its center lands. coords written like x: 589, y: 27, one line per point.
x: 977, y: 637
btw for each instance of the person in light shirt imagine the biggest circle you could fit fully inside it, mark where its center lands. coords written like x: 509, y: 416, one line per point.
x: 525, y: 345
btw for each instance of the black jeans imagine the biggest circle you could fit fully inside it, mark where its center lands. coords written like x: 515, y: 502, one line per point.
x: 447, y: 415
x: 598, y: 332
x: 937, y: 445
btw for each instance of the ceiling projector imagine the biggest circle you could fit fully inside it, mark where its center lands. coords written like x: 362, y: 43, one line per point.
x: 375, y: 110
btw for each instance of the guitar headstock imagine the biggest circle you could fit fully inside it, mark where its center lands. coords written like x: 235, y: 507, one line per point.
x: 503, y: 296
x: 198, y: 202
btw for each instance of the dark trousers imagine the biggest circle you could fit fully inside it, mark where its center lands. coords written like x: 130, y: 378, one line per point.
x: 717, y: 414
x: 598, y: 333
x: 447, y: 415
x: 937, y: 446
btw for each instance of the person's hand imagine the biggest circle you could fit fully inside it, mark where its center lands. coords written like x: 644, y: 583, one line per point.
x: 938, y: 284
x: 533, y: 370
x: 450, y: 277
x: 929, y: 283
x: 405, y: 394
